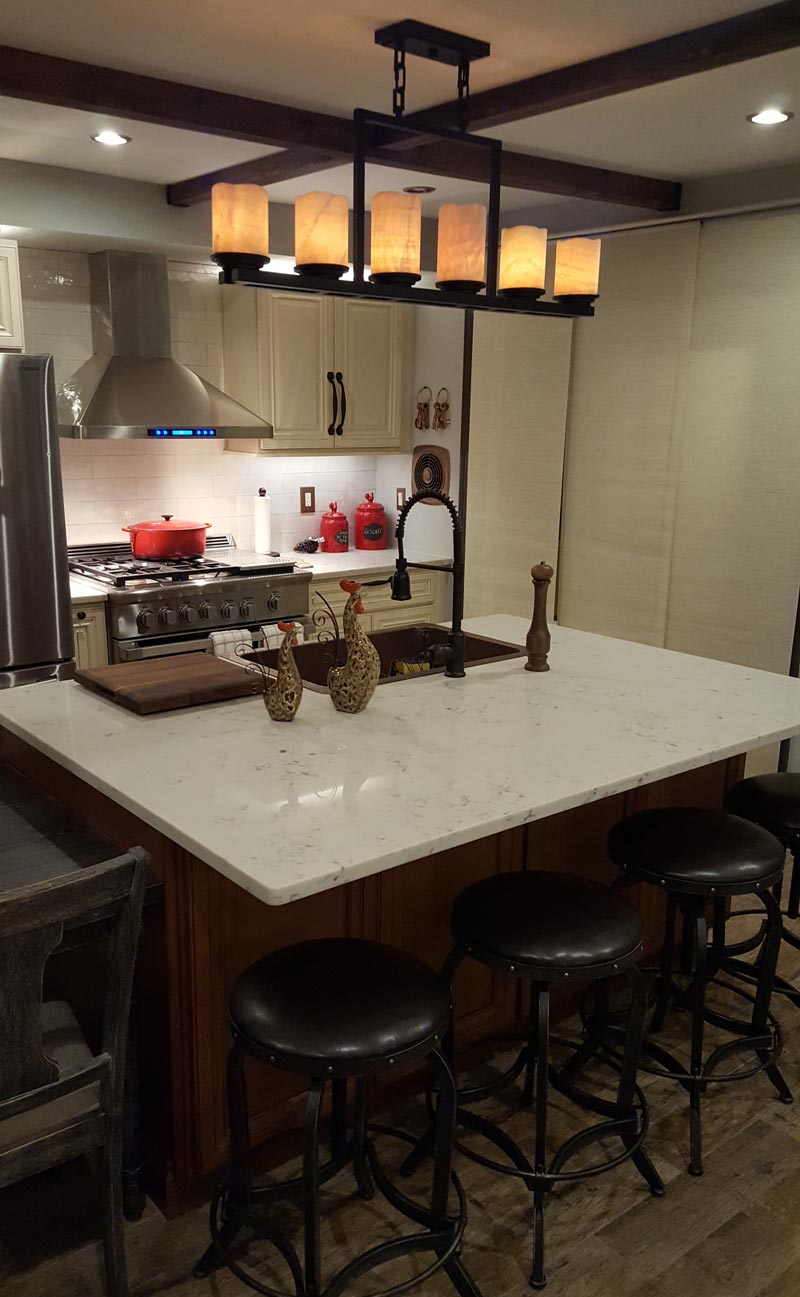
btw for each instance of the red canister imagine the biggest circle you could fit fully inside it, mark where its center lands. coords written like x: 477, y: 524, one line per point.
x: 335, y: 531
x: 370, y: 524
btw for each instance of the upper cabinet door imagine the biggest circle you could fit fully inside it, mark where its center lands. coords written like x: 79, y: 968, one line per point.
x: 295, y: 333
x: 11, y: 334
x: 373, y: 345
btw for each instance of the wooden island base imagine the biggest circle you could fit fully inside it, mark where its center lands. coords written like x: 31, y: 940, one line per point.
x: 209, y: 930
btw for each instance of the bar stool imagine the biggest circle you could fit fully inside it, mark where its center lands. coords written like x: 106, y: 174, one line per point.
x: 334, y: 1009
x: 773, y: 801
x: 553, y: 929
x: 699, y: 856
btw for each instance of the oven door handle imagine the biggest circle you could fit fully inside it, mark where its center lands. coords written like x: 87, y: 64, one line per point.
x: 138, y: 650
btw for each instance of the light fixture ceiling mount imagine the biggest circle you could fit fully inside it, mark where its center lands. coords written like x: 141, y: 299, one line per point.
x: 111, y: 139
x: 769, y: 117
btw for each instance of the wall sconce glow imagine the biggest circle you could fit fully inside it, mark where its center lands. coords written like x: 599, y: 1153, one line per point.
x: 769, y: 117
x: 396, y: 238
x: 577, y: 270
x: 461, y: 250
x: 239, y: 225
x: 523, y: 258
x: 321, y: 233
x: 112, y: 139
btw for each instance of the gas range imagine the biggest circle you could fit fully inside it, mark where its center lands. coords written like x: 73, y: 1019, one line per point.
x: 166, y: 607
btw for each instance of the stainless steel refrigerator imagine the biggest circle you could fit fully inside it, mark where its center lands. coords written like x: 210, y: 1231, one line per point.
x: 35, y: 614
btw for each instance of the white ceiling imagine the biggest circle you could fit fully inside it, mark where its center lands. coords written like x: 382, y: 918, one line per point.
x: 320, y: 54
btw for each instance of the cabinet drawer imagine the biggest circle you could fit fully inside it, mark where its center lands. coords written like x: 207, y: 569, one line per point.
x: 405, y: 614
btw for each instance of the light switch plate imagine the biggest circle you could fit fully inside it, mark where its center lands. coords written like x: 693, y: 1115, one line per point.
x: 401, y: 496
x: 308, y: 499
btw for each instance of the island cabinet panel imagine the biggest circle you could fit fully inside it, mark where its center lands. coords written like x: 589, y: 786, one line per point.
x: 415, y: 902
x: 231, y: 931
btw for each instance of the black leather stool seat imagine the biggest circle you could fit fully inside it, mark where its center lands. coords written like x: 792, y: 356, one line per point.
x: 546, y: 925
x: 772, y: 801
x: 339, y: 1007
x: 688, y: 849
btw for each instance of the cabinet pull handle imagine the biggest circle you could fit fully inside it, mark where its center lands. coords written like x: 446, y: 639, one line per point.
x: 340, y: 428
x: 332, y: 426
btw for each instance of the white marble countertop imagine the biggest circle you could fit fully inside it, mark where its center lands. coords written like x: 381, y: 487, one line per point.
x: 289, y: 810
x: 86, y: 591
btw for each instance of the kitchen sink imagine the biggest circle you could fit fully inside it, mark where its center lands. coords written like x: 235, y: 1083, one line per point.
x: 409, y: 644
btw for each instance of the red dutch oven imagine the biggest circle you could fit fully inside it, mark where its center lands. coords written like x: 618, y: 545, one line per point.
x: 167, y: 537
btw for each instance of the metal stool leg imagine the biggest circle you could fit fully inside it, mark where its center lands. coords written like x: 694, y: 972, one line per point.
x: 626, y: 1089
x: 240, y: 1184
x: 444, y: 1141
x: 313, y: 1263
x: 767, y: 965
x: 665, y: 980
x: 793, y: 910
x: 540, y: 992
x: 533, y: 1049
x: 695, y: 921
x: 361, y: 1170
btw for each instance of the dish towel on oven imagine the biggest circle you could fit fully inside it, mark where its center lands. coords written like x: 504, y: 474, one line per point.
x: 225, y: 643
x: 273, y: 635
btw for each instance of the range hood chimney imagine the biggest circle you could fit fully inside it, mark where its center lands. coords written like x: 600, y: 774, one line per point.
x: 132, y: 387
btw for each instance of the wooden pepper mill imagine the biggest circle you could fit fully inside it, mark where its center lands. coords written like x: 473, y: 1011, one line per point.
x: 537, y: 641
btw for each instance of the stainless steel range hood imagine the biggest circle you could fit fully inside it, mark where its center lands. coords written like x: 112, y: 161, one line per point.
x: 132, y: 387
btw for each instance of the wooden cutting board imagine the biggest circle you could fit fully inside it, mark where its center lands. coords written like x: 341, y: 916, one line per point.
x: 164, y: 684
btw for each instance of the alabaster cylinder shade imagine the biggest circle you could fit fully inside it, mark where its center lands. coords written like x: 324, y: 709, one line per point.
x: 239, y: 224
x: 396, y: 238
x: 523, y: 258
x: 461, y: 252
x: 321, y: 233
x: 577, y: 269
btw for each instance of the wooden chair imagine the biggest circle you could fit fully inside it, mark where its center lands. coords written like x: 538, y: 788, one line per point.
x: 57, y: 1099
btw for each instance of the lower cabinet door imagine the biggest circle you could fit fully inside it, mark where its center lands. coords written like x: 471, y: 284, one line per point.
x: 89, y: 636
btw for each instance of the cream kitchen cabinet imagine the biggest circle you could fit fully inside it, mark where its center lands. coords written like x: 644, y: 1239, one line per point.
x: 328, y: 373
x: 89, y: 635
x: 425, y: 605
x: 12, y: 337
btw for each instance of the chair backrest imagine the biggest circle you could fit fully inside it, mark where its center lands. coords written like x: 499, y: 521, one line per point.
x: 32, y: 921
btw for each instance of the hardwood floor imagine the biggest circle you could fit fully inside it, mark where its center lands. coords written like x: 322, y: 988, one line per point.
x: 733, y: 1233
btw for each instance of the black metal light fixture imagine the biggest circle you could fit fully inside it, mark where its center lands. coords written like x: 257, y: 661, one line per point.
x: 472, y: 271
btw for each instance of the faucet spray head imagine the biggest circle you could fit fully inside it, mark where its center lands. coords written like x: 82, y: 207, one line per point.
x: 401, y: 583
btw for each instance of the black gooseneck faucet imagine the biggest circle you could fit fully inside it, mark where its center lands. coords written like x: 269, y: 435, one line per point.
x: 453, y: 652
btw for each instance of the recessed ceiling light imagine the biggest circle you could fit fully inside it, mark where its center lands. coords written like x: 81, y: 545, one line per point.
x: 112, y: 138
x: 769, y: 117
x: 419, y: 189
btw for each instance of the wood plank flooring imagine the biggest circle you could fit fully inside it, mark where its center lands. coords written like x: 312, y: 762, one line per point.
x: 733, y: 1233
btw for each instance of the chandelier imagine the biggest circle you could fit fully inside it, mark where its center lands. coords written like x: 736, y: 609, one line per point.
x: 478, y: 265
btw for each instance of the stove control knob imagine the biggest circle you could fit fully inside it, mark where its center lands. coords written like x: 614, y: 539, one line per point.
x: 247, y: 609
x: 272, y: 603
x: 206, y: 611
x: 167, y: 616
x: 227, y: 609
x: 144, y: 619
x: 186, y: 613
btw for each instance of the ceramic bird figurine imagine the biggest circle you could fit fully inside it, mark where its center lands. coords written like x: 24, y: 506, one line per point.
x: 282, y: 694
x: 352, y: 685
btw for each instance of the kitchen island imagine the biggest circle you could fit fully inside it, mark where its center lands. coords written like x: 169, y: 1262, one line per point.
x: 369, y: 825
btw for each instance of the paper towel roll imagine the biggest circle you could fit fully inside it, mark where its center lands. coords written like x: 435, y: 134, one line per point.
x: 262, y: 523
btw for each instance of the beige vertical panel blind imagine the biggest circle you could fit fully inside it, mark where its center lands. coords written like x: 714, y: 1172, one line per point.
x: 520, y: 379
x: 736, y: 560
x: 621, y: 460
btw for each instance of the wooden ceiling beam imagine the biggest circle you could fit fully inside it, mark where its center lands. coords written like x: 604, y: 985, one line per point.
x: 44, y: 79
x: 768, y: 30
x: 458, y: 162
